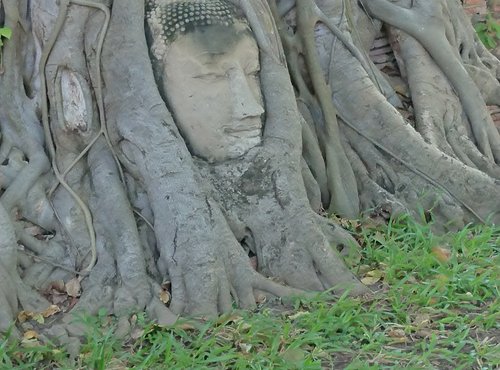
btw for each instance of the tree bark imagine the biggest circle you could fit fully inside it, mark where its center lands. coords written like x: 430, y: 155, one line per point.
x: 98, y: 187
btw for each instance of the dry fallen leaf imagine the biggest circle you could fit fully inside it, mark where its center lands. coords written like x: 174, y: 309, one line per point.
x: 363, y: 269
x: 397, y: 335
x: 245, y: 347
x: 73, y: 287
x: 133, y: 319
x: 369, y: 280
x: 298, y: 314
x: 58, y: 285
x: 423, y: 333
x: 58, y: 298
x: 30, y: 343
x: 24, y: 316
x: 165, y: 296
x: 30, y: 334
x: 433, y: 300
x: 422, y: 320
x: 227, y: 319
x: 244, y: 326
x: 186, y: 326
x: 136, y: 333
x: 373, y: 223
x: 372, y: 277
x: 379, y: 237
x: 442, y: 254
x: 38, y: 317
x: 51, y: 311
x: 260, y: 298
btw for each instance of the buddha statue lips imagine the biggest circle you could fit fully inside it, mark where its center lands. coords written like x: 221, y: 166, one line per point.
x: 253, y: 128
x: 210, y: 77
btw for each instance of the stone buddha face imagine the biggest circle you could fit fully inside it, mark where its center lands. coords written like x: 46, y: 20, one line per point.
x: 210, y: 78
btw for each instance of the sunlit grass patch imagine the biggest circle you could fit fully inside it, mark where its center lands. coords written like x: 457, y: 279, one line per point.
x: 436, y: 307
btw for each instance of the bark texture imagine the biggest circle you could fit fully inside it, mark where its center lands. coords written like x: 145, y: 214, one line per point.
x: 99, y: 190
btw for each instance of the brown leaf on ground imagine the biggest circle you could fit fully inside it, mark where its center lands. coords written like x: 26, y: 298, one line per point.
x: 164, y: 296
x: 422, y: 320
x: 58, y: 285
x: 398, y: 335
x: 298, y: 314
x: 433, y: 300
x: 244, y: 347
x: 363, y: 269
x: 38, y: 317
x: 30, y: 334
x: 56, y: 292
x: 372, y: 277
x: 374, y: 222
x: 423, y: 333
x: 136, y: 333
x: 442, y: 254
x: 24, y: 316
x: 73, y: 287
x: 58, y: 298
x: 72, y: 303
x: 186, y: 326
x: 346, y: 223
x: 228, y: 319
x: 51, y: 311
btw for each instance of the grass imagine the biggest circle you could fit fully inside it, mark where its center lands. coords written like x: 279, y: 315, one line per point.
x: 436, y: 307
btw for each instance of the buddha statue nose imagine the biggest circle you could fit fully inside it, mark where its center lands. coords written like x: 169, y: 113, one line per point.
x: 246, y: 101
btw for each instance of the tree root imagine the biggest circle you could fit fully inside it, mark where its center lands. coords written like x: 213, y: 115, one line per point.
x: 427, y: 22
x: 343, y: 78
x: 289, y: 242
x: 194, y: 217
x: 441, y: 125
x: 12, y: 290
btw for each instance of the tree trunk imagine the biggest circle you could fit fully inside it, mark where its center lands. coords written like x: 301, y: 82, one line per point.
x: 99, y: 189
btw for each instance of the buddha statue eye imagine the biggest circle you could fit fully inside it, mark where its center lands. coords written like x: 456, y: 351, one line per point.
x: 211, y: 76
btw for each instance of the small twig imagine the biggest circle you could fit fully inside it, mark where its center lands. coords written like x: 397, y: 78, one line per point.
x: 146, y: 221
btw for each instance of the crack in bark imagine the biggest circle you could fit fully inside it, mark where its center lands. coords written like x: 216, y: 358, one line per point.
x: 210, y: 212
x: 175, y: 245
x: 277, y: 195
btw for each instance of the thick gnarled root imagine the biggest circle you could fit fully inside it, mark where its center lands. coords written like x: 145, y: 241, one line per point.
x: 12, y: 290
x: 301, y: 254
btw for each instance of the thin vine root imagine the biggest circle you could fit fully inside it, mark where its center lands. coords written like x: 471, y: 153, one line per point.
x: 308, y: 14
x: 63, y: 10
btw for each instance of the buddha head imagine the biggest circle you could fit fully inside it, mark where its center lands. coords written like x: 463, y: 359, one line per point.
x: 209, y: 75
